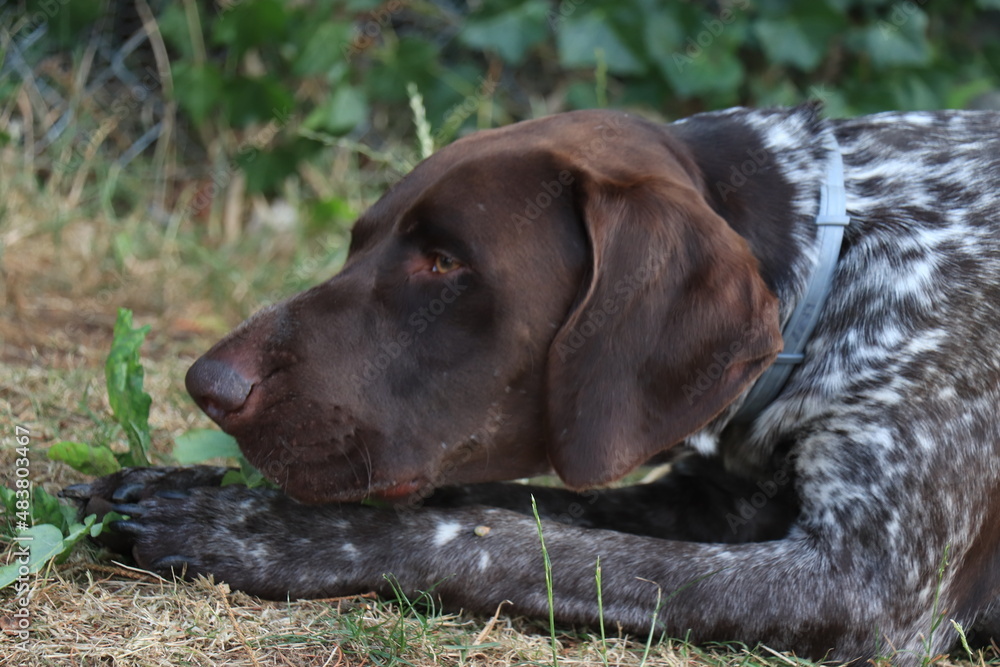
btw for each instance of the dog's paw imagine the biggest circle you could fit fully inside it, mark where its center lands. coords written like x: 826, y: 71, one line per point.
x: 225, y: 531
x: 256, y: 540
x: 131, y: 485
x: 134, y: 484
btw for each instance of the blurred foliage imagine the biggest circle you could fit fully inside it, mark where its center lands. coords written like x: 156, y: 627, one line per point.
x: 316, y: 71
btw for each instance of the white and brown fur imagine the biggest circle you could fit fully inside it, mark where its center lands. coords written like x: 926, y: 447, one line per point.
x: 862, y: 504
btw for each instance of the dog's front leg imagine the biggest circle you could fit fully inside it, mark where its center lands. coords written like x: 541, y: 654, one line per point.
x: 784, y: 593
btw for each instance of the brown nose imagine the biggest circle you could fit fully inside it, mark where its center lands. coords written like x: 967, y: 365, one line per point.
x: 217, y: 387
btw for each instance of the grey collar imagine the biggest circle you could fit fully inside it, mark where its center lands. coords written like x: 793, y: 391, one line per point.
x: 830, y: 221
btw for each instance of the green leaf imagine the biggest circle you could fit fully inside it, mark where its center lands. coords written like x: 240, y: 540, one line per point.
x: 697, y: 71
x: 124, y: 375
x: 988, y: 4
x: 198, y: 88
x: 46, y: 508
x: 96, y: 461
x: 579, y: 38
x: 176, y: 31
x: 325, y: 214
x: 267, y: 169
x: 77, y: 532
x: 323, y: 52
x: 663, y: 35
x: 247, y: 25
x: 202, y: 444
x: 509, y: 34
x: 409, y: 59
x: 340, y: 113
x: 247, y: 475
x: 233, y: 477
x: 898, y: 40
x: 788, y: 42
x: 251, y: 476
x: 44, y: 542
x: 251, y: 100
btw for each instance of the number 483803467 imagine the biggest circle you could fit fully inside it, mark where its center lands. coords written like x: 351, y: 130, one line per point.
x: 22, y: 436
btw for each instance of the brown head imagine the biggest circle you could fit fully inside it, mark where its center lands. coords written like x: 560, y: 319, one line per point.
x: 541, y: 296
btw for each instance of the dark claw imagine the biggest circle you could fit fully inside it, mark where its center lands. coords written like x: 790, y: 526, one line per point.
x: 77, y: 492
x: 172, y: 562
x: 132, y: 509
x: 173, y: 494
x: 127, y: 492
x: 131, y: 527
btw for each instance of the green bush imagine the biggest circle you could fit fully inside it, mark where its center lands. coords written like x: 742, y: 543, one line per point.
x: 333, y: 68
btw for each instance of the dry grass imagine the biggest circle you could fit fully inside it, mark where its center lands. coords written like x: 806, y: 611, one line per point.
x: 64, y: 271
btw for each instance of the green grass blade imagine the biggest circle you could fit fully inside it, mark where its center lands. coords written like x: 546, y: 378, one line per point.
x: 548, y: 584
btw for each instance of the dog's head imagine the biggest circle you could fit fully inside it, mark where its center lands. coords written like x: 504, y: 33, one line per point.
x: 544, y: 296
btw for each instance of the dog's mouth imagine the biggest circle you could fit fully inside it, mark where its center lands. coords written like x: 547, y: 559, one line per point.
x: 400, y: 492
x: 338, y: 468
x: 308, y: 490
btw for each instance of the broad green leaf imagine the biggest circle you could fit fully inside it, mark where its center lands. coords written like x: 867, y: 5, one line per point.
x: 579, y: 38
x: 43, y: 543
x: 341, y: 113
x: 409, y: 59
x: 248, y: 25
x: 512, y: 33
x: 664, y: 36
x: 698, y: 71
x: 200, y: 445
x: 786, y: 41
x: 96, y: 461
x: 46, y: 508
x: 899, y: 39
x: 324, y: 50
x: 124, y: 375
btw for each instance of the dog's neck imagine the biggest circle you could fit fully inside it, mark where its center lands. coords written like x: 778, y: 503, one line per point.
x: 762, y: 172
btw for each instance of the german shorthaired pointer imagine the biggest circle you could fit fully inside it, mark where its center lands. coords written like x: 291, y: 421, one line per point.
x: 584, y: 293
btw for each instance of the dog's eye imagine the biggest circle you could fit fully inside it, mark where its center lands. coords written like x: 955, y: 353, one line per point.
x: 445, y: 264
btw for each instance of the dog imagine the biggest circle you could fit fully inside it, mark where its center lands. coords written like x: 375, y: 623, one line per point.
x: 590, y: 292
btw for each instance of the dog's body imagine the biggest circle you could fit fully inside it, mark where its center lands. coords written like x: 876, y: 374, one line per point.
x: 554, y: 295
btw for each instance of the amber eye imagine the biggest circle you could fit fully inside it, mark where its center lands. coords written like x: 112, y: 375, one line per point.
x: 445, y: 264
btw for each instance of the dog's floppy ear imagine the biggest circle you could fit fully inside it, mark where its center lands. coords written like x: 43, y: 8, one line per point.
x: 674, y: 324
